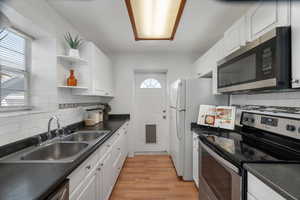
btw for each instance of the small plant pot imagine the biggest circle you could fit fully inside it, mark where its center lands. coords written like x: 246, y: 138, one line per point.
x: 74, y: 53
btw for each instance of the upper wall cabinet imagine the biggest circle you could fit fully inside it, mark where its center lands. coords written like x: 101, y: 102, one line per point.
x: 98, y: 73
x: 265, y: 16
x: 207, y: 63
x: 235, y: 36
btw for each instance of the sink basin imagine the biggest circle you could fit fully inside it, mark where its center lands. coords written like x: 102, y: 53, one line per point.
x: 55, y: 151
x: 86, y: 136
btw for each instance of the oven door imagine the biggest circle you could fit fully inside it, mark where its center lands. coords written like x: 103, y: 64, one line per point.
x: 219, y: 179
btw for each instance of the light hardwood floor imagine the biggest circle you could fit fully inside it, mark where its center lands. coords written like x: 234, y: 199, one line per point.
x: 152, y: 177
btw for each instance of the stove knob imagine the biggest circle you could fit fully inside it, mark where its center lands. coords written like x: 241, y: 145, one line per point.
x: 291, y: 128
x: 252, y: 120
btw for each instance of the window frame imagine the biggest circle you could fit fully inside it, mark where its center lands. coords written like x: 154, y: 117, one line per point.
x: 150, y: 79
x: 27, y: 72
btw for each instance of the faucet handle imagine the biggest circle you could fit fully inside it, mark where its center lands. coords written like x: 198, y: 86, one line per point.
x: 61, y: 132
x: 39, y: 140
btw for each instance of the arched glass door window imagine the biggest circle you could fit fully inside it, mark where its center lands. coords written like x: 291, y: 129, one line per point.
x: 150, y: 83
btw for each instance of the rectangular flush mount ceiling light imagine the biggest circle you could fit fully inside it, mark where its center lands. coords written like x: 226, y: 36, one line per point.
x: 155, y: 19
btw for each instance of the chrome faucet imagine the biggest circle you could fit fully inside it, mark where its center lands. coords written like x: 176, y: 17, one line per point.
x: 49, y: 136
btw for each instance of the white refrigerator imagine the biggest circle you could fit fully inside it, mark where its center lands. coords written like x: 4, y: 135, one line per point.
x: 186, y: 95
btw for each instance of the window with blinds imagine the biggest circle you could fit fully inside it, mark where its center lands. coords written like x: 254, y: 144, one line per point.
x: 13, y: 71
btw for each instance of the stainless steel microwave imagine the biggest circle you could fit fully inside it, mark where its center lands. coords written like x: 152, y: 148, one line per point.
x: 262, y: 64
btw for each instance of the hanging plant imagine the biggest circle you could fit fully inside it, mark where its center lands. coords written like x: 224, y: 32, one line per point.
x: 74, y: 43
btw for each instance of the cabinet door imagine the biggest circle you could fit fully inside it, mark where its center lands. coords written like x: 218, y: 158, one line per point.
x: 295, y: 43
x: 99, y: 73
x: 99, y: 181
x: 235, y: 36
x: 195, y: 159
x: 89, y: 192
x: 265, y: 16
x: 106, y: 176
x: 260, y: 190
x: 125, y: 144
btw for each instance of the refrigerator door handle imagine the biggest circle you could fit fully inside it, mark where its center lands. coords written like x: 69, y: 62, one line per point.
x: 177, y: 112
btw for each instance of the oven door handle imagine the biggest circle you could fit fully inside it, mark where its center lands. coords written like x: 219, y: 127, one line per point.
x: 218, y: 158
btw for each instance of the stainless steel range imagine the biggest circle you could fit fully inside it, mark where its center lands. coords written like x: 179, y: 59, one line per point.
x: 263, y: 137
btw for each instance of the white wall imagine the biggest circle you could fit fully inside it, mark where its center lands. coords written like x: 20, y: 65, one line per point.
x: 289, y: 99
x: 37, y: 18
x: 177, y: 65
x: 124, y: 65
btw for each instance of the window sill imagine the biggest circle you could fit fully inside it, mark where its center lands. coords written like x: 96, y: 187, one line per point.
x: 20, y: 113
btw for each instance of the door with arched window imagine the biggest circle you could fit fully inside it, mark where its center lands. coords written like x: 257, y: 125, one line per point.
x: 150, y: 112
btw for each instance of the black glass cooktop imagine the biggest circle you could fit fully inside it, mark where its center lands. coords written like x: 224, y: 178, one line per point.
x: 239, y: 147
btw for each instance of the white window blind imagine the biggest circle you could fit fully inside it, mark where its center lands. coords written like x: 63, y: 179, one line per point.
x: 13, y: 71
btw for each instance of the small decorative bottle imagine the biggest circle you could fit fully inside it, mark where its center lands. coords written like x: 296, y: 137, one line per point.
x: 71, y: 81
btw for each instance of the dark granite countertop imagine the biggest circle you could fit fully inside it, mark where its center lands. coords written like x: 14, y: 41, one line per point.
x: 282, y: 178
x: 30, y: 181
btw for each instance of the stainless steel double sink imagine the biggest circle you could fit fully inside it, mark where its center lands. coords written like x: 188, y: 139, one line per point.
x: 65, y: 149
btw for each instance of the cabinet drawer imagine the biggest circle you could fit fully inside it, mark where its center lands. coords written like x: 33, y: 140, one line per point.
x: 82, y: 171
x: 261, y: 191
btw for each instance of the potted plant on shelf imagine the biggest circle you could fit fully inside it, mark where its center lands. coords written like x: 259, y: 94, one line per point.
x: 74, y: 44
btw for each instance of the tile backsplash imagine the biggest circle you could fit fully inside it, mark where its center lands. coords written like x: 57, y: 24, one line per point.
x: 289, y: 99
x: 15, y: 128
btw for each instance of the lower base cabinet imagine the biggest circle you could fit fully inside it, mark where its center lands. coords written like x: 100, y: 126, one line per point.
x: 257, y: 190
x: 89, y: 191
x: 195, y: 159
x: 104, y: 178
x: 96, y: 177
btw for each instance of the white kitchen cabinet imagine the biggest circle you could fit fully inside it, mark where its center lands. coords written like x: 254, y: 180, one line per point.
x: 295, y: 18
x: 97, y: 75
x: 89, y: 191
x: 199, y: 65
x: 195, y: 159
x: 95, y: 178
x: 265, y: 16
x: 207, y: 64
x: 235, y: 36
x: 257, y: 190
x: 106, y: 177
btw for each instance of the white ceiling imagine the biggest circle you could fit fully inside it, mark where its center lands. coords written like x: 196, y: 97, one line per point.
x: 106, y: 22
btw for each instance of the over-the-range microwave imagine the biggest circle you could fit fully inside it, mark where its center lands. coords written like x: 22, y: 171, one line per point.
x: 261, y: 64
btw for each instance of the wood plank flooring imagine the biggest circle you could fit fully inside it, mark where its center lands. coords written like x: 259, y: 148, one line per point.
x: 152, y: 177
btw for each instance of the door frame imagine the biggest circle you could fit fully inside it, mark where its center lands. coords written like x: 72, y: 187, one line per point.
x: 135, y: 120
